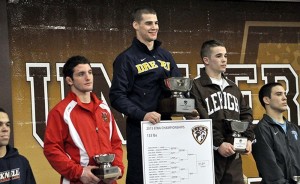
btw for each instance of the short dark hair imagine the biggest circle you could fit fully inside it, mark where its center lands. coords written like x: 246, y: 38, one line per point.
x: 71, y: 63
x: 2, y: 110
x: 137, y: 13
x: 205, y: 49
x: 265, y: 91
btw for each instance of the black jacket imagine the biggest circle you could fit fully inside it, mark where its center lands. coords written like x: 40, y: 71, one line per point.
x: 212, y: 103
x: 138, y: 79
x: 277, y: 154
x: 15, y: 168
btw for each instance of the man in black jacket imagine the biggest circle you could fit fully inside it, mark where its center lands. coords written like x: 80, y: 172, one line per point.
x: 277, y: 147
x: 14, y: 168
x: 137, y: 85
x: 218, y: 98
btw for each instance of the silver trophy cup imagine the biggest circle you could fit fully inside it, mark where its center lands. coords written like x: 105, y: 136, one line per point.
x: 177, y: 104
x: 296, y: 179
x: 238, y: 127
x: 105, y: 170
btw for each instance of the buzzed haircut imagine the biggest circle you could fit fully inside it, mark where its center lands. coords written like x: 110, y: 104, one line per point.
x: 71, y: 63
x: 137, y: 13
x: 205, y: 49
x: 2, y: 110
x: 265, y: 91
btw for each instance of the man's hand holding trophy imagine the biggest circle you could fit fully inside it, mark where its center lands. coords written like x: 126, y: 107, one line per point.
x: 238, y: 127
x: 105, y: 171
x: 179, y: 104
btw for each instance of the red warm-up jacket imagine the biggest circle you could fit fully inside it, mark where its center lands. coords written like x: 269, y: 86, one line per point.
x: 74, y: 134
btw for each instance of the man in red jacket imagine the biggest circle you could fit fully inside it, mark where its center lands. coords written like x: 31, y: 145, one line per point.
x: 80, y: 127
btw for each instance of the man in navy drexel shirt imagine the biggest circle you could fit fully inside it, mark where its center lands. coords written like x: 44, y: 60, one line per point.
x: 137, y: 85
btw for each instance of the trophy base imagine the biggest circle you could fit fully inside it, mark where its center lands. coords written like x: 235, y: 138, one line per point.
x: 105, y: 173
x: 176, y: 106
x: 240, y: 144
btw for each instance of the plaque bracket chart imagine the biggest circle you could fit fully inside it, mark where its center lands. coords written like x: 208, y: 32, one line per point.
x: 178, y: 152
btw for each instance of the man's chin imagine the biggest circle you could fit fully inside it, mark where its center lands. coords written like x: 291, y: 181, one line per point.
x: 151, y: 39
x: 4, y: 143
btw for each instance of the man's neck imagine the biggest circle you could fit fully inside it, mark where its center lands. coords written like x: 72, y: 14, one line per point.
x: 275, y: 115
x: 214, y: 75
x: 150, y: 45
x: 2, y: 151
x: 83, y: 97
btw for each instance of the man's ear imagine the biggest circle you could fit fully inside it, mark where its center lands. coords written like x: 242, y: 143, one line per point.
x: 266, y: 100
x: 135, y: 25
x: 205, y: 60
x: 69, y: 81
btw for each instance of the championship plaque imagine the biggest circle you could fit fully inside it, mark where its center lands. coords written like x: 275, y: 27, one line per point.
x: 178, y: 152
x: 177, y: 104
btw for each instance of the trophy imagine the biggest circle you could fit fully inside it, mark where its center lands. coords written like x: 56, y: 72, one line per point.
x: 177, y: 104
x: 105, y: 170
x: 238, y: 127
x: 296, y: 179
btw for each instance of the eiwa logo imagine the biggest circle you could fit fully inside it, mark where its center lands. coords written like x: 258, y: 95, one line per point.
x: 200, y: 133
